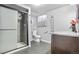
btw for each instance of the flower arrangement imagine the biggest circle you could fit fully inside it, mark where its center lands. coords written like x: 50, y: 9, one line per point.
x: 74, y: 22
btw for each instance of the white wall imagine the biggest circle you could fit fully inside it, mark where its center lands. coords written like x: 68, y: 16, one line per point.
x: 34, y: 14
x: 33, y: 25
x: 33, y: 20
x: 62, y: 17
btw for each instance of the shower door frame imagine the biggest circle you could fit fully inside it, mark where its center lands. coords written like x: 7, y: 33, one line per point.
x: 23, y: 22
x: 28, y: 42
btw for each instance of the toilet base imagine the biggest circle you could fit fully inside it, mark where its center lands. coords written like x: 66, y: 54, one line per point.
x: 37, y: 40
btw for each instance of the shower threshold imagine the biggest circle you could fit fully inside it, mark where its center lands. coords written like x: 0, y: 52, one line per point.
x: 20, y: 44
x: 19, y: 47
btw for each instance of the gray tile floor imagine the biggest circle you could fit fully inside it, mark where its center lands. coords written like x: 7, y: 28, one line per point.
x: 37, y: 48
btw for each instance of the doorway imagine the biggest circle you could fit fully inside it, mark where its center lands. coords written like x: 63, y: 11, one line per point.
x: 22, y: 29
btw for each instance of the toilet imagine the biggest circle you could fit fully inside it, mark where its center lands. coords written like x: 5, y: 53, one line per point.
x: 36, y: 36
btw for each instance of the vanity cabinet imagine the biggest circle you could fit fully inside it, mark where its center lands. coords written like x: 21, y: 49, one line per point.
x: 61, y: 44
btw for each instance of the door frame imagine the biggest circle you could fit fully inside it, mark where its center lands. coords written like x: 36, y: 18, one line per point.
x: 29, y: 43
x: 22, y: 27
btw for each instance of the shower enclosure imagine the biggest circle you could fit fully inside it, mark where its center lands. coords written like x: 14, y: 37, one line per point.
x: 13, y: 31
x: 23, y: 28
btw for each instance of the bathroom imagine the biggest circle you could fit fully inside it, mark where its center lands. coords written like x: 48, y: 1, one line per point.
x: 56, y: 19
x: 39, y: 29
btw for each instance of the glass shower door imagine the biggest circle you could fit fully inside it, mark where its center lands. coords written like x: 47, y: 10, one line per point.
x: 8, y: 29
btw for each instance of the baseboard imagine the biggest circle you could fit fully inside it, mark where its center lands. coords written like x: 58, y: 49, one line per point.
x: 43, y: 41
x: 46, y: 41
x: 16, y: 50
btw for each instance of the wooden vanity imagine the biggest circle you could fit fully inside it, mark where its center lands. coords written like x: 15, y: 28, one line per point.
x: 64, y: 43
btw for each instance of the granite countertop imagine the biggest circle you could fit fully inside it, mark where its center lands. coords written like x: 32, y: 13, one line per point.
x: 66, y: 33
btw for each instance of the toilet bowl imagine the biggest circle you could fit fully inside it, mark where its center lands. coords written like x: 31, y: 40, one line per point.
x: 36, y: 36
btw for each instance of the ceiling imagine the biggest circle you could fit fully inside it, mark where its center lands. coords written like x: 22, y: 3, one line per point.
x: 43, y: 8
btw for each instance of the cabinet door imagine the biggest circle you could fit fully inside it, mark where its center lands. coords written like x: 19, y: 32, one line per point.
x: 52, y: 44
x: 77, y: 45
x: 64, y: 44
